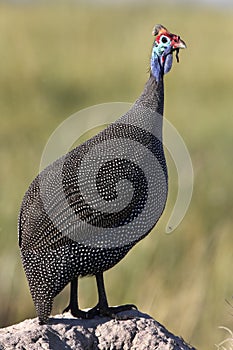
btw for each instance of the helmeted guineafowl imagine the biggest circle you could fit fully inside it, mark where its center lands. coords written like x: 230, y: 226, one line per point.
x: 84, y: 212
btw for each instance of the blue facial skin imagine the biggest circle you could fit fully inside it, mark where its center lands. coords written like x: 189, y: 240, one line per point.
x: 161, y: 57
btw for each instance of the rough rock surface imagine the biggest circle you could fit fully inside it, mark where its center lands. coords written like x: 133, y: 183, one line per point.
x: 64, y: 332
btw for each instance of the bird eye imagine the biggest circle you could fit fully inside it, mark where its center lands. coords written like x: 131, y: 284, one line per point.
x: 164, y: 39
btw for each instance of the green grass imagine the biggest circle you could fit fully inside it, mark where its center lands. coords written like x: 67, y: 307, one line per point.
x: 58, y: 59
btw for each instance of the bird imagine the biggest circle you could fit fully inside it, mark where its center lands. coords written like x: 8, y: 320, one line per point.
x: 85, y: 211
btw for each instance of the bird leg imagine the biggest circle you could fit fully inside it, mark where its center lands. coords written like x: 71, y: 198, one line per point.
x: 101, y: 309
x: 73, y: 304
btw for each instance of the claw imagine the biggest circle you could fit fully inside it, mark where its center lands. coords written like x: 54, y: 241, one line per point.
x: 75, y: 311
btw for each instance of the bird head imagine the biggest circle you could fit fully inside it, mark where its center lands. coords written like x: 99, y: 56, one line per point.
x: 164, y: 45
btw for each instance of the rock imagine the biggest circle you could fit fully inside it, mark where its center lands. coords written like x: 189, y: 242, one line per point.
x: 64, y: 332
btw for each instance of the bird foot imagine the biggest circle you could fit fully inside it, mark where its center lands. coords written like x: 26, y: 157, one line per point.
x: 75, y: 311
x: 114, y: 310
x: 107, y: 311
x: 110, y: 311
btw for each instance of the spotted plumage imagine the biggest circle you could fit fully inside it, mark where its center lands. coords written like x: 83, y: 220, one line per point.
x: 84, y: 212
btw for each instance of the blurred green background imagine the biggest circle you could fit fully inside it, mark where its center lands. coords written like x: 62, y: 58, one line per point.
x: 59, y: 58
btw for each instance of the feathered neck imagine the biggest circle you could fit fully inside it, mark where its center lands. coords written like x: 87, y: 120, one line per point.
x: 153, y: 95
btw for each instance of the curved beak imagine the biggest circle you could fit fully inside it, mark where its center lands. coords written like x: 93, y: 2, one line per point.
x: 179, y: 44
